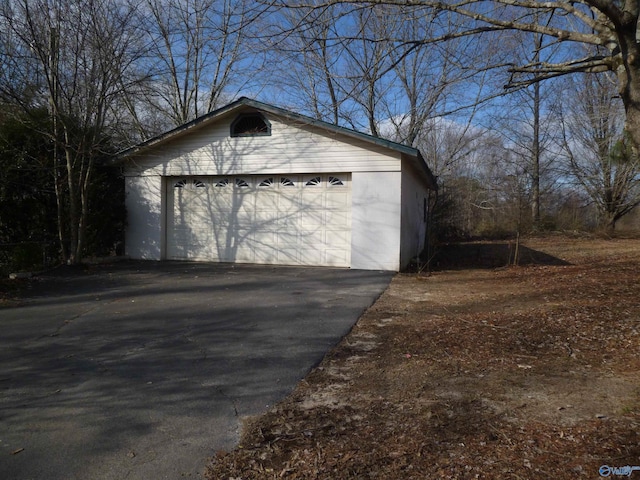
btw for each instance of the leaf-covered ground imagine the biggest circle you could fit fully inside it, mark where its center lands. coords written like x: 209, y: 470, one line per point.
x: 513, y: 373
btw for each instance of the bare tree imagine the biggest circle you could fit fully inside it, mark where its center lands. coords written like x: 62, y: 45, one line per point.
x: 428, y: 80
x: 597, y: 152
x: 525, y: 121
x: 610, y: 27
x: 360, y: 66
x: 314, y: 60
x: 425, y: 79
x: 70, y: 58
x: 338, y: 74
x: 368, y: 60
x: 196, y: 47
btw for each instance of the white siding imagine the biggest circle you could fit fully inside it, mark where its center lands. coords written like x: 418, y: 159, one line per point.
x: 413, y: 229
x: 143, y: 238
x: 375, y: 221
x: 291, y: 148
x: 387, y: 194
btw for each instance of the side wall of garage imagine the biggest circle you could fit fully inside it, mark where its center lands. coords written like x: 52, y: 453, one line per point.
x: 145, y: 217
x: 375, y: 219
x: 414, y: 214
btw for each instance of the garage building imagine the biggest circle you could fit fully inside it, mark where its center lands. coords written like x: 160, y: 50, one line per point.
x: 254, y: 183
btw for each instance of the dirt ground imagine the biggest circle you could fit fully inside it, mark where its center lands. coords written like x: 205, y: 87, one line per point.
x: 519, y: 372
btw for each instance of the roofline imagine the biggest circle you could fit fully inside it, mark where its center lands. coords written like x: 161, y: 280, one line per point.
x: 248, y: 102
x: 158, y: 139
x: 433, y: 180
x: 331, y: 127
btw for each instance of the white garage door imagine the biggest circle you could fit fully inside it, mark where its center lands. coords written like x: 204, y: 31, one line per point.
x: 276, y: 219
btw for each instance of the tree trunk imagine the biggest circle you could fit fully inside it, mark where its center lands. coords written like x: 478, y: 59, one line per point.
x: 59, y: 188
x: 628, y: 73
x: 73, y: 205
x: 84, y: 209
x: 535, y: 164
x: 632, y: 109
x: 609, y: 222
x: 535, y: 150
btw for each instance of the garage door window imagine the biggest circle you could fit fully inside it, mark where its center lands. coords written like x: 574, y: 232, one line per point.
x: 286, y: 182
x: 314, y: 182
x: 222, y: 183
x: 335, y: 181
x: 267, y: 182
x: 241, y: 183
x: 194, y: 183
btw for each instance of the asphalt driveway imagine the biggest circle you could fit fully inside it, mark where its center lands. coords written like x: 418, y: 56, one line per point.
x: 142, y: 370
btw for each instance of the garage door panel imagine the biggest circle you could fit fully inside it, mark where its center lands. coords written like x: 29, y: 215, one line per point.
x: 244, y: 254
x: 240, y: 234
x: 312, y: 218
x: 288, y: 204
x: 221, y: 205
x: 220, y: 221
x: 312, y: 197
x: 337, y: 200
x: 244, y: 206
x: 336, y: 257
x: 220, y: 236
x: 337, y: 218
x: 199, y: 222
x: 312, y: 238
x: 314, y: 258
x: 266, y: 200
x: 235, y: 245
x: 286, y: 240
x: 265, y: 254
x: 265, y: 239
x: 286, y: 219
x: 266, y: 218
x: 338, y: 238
x: 242, y: 220
x: 288, y: 256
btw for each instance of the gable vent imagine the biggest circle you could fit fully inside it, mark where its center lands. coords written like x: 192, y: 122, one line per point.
x: 250, y: 124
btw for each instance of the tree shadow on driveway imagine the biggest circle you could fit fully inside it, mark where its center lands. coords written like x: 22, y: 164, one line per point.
x: 144, y: 369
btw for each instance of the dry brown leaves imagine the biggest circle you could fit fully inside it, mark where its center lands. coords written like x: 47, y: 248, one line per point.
x: 525, y: 372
